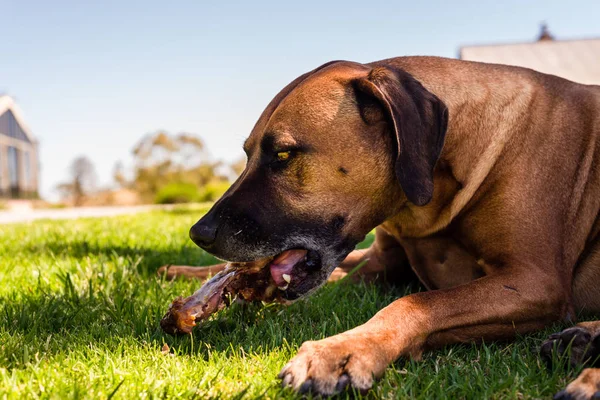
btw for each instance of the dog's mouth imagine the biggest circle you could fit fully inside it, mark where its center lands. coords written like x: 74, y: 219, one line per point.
x: 292, y: 267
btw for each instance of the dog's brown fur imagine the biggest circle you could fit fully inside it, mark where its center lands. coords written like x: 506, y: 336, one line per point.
x: 508, y: 242
x: 585, y: 387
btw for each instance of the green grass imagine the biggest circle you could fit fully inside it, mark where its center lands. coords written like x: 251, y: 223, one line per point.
x: 80, y: 305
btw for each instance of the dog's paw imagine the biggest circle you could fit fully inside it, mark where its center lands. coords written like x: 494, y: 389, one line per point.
x: 329, y: 366
x: 582, y: 340
x: 585, y: 387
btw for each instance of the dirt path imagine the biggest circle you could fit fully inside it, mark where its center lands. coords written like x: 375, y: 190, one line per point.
x: 8, y: 217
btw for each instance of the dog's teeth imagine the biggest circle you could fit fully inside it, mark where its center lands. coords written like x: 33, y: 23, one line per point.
x: 286, y: 278
x: 283, y: 287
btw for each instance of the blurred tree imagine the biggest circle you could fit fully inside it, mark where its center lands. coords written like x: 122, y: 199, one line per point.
x: 162, y: 159
x: 82, y: 181
x: 119, y: 174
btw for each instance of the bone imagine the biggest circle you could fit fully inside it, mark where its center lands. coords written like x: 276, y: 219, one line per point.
x: 182, y: 314
x: 249, y: 282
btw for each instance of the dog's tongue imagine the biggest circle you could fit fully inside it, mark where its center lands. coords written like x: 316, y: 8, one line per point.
x: 282, y: 265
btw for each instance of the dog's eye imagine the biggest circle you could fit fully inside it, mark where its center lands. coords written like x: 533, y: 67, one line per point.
x: 281, y: 159
x: 283, y: 155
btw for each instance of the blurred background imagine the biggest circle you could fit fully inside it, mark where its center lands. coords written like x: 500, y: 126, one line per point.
x: 126, y: 103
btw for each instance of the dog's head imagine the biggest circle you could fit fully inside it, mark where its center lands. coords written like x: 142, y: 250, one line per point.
x: 336, y: 152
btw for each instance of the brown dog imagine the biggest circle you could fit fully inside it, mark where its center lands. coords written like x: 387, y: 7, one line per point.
x: 485, y: 179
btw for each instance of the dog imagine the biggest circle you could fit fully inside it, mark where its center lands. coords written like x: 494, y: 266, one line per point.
x: 482, y: 180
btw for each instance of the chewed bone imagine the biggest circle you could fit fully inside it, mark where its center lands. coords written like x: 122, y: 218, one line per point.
x: 247, y: 281
x: 183, y: 313
x: 253, y: 281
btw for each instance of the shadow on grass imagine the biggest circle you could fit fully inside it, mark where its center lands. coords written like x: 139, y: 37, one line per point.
x: 151, y: 258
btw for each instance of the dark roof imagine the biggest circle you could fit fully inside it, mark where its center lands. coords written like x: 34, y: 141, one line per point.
x: 11, y: 121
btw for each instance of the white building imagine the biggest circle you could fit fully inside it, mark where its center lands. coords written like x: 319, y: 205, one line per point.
x: 576, y: 60
x: 18, y: 154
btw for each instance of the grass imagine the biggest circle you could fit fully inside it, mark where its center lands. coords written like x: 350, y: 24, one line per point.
x: 80, y: 304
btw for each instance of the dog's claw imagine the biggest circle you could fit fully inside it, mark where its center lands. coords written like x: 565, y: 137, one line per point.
x: 284, y: 370
x: 562, y: 395
x: 343, y: 383
x: 306, y: 387
x: 565, y: 395
x: 287, y: 380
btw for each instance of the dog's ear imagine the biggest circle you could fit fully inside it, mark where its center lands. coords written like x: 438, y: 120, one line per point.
x: 419, y: 121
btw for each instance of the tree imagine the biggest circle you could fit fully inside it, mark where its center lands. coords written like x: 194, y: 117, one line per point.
x: 82, y: 181
x: 162, y: 158
x: 119, y: 174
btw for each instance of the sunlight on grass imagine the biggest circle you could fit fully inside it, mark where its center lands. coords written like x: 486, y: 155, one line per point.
x: 80, y: 304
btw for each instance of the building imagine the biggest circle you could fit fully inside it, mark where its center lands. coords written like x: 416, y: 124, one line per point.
x: 576, y: 60
x: 18, y: 154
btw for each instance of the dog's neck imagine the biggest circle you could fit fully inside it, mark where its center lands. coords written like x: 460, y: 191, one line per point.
x: 481, y: 123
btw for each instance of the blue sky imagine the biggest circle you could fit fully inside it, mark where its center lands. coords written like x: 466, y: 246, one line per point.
x: 94, y: 77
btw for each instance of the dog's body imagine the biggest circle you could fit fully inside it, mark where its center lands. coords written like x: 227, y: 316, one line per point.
x: 485, y: 180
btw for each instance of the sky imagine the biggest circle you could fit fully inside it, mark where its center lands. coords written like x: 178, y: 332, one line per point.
x: 92, y: 78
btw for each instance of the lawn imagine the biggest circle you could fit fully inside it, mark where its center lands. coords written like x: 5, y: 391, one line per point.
x: 80, y: 305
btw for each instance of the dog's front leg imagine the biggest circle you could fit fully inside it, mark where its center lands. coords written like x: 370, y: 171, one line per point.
x: 492, y: 307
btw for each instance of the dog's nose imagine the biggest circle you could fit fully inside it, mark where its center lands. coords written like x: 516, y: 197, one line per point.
x: 203, y: 233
